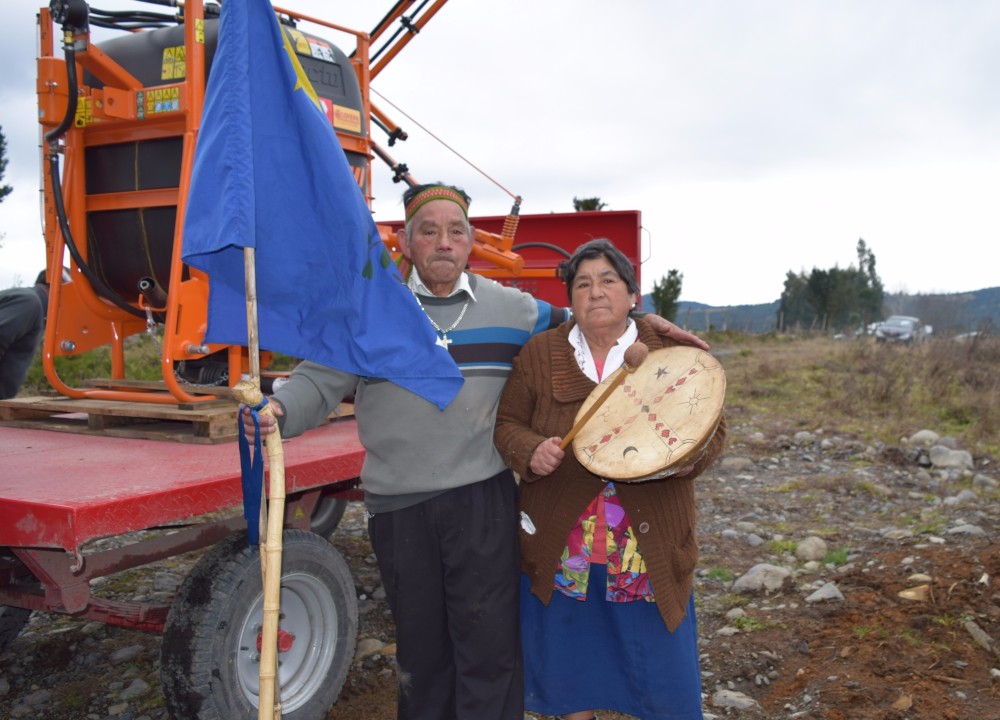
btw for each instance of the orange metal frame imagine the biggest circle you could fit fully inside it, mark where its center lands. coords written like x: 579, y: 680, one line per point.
x: 79, y: 319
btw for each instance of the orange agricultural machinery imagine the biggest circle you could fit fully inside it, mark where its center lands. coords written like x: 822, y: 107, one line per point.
x: 120, y: 120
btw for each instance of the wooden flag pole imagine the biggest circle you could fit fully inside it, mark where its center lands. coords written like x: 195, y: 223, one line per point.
x: 248, y: 392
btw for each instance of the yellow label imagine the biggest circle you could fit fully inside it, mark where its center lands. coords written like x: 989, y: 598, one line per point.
x: 301, y: 44
x: 160, y: 100
x: 174, y: 65
x: 346, y: 119
x: 84, y: 112
x: 199, y: 31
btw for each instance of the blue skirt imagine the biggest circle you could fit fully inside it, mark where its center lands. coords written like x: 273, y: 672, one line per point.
x: 599, y: 655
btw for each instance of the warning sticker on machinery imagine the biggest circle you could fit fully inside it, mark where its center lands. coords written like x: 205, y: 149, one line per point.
x: 301, y: 44
x: 314, y: 47
x: 174, y: 65
x: 160, y: 100
x: 84, y: 112
x: 321, y: 50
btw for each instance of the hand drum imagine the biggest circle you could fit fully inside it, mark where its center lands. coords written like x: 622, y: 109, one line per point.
x: 658, y: 421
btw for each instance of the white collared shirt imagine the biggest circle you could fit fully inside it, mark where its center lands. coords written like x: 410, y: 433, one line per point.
x: 616, y: 355
x: 417, y: 285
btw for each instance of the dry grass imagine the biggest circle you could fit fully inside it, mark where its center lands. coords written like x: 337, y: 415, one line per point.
x: 875, y: 391
x: 143, y: 361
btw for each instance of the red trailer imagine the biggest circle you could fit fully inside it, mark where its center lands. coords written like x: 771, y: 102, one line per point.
x: 62, y: 493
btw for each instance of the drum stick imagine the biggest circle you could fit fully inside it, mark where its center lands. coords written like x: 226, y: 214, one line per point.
x: 635, y: 354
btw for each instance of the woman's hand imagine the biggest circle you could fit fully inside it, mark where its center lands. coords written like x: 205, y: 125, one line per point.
x: 547, y: 457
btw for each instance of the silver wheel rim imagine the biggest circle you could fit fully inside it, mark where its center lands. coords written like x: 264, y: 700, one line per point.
x: 309, y: 614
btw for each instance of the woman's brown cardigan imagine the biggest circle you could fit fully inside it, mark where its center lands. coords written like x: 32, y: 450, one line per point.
x: 543, y: 394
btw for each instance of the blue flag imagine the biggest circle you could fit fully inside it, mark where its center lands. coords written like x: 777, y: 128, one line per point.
x: 270, y: 173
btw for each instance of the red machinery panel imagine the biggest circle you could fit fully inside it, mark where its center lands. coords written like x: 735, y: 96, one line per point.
x: 545, y: 241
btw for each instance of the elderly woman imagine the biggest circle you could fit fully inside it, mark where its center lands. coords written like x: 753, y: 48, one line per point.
x: 607, y: 608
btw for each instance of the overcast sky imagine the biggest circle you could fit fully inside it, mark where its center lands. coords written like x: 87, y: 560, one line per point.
x: 756, y: 138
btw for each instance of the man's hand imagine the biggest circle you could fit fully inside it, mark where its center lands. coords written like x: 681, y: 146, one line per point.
x: 664, y: 327
x: 268, y: 424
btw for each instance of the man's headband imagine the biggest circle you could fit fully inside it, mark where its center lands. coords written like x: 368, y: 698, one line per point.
x: 435, y: 192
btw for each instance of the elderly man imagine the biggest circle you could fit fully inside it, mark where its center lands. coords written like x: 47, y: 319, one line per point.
x: 440, y: 502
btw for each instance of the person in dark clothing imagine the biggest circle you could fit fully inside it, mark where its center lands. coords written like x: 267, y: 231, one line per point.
x: 22, y: 327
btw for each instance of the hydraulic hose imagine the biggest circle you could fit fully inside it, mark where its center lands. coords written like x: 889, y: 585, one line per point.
x: 53, y: 135
x: 52, y: 138
x: 547, y: 246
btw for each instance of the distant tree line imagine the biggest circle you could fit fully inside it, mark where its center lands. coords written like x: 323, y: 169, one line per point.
x: 834, y: 299
x: 824, y: 300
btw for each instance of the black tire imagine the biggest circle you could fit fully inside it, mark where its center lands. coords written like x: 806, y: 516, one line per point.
x: 12, y: 621
x: 327, y: 514
x: 209, y: 667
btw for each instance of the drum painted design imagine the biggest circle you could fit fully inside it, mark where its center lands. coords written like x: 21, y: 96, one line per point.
x: 658, y: 421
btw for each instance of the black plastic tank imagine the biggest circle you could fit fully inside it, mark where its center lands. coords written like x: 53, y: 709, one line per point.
x: 125, y: 246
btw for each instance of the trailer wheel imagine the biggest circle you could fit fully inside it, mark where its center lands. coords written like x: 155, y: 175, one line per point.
x: 209, y: 662
x: 327, y: 514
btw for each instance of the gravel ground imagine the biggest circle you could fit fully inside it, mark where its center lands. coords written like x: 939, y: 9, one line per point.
x: 837, y: 580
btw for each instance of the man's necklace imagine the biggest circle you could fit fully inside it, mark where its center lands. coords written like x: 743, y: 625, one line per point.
x: 443, y: 339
